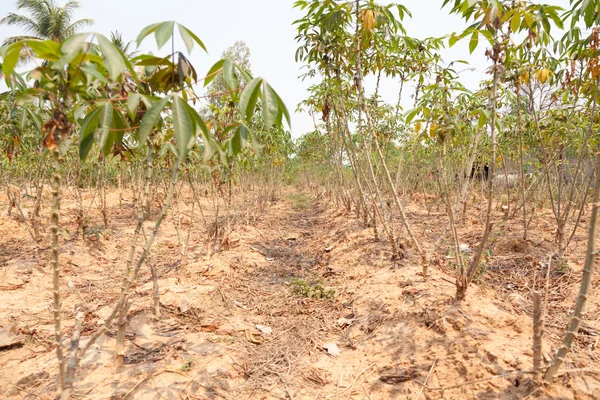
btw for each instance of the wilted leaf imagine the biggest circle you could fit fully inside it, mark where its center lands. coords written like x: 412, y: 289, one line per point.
x: 267, y: 330
x: 368, y: 19
x: 332, y: 349
x: 542, y: 75
x: 400, y: 376
x: 254, y: 338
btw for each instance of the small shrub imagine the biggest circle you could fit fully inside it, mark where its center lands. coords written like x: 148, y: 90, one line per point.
x: 95, y: 231
x: 187, y: 365
x: 316, y: 290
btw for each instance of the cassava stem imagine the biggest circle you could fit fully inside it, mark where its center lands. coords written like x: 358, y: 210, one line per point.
x: 121, y: 325
x: 77, y: 355
x: 586, y: 282
x: 56, y: 266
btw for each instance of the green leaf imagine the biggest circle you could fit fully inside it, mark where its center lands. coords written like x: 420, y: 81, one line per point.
x: 546, y: 25
x: 149, y: 100
x: 71, y: 47
x: 207, y: 138
x: 269, y: 105
x: 229, y: 74
x: 121, y: 124
x: 189, y: 38
x: 80, y: 111
x: 588, y: 13
x: 11, y: 58
x: 25, y: 98
x: 255, y: 143
x: 247, y: 77
x: 508, y: 15
x: 145, y: 32
x: 150, y: 120
x: 249, y: 98
x: 557, y: 21
x: 148, y: 60
x: 34, y: 118
x: 183, y: 126
x: 283, y: 109
x: 453, y: 39
x: 412, y: 114
x: 133, y: 103
x: 488, y: 35
x: 111, y: 56
x: 163, y: 33
x: 105, y: 123
x: 129, y: 67
x: 244, y: 132
x: 92, y: 69
x: 45, y: 49
x: 515, y: 22
x: 194, y: 116
x: 86, y: 137
x: 482, y: 119
x: 236, y: 142
x: 473, y: 42
x: 213, y: 72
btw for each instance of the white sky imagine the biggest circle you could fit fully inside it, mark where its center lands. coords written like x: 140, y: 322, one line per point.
x: 266, y: 26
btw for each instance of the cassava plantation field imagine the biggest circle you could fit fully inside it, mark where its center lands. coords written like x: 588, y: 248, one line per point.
x: 164, y: 236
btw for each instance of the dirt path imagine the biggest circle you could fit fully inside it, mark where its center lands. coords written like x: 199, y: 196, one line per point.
x: 302, y: 305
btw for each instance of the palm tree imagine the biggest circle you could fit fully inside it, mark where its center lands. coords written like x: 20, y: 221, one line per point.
x: 116, y: 38
x: 45, y: 20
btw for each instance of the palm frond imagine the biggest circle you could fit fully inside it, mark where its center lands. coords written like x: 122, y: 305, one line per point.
x: 22, y: 21
x: 46, y: 20
x: 116, y: 38
x: 38, y: 9
x: 78, y: 25
x: 70, y: 7
x: 14, y: 39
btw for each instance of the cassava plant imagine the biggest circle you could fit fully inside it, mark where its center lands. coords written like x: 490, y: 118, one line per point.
x: 68, y: 85
x: 496, y: 21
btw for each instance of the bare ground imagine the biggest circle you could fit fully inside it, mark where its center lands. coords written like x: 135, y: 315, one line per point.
x: 301, y: 304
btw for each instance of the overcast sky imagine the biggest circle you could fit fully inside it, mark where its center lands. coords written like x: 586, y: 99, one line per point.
x: 266, y: 26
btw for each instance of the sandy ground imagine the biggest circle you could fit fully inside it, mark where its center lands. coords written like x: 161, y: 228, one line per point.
x: 301, y: 303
